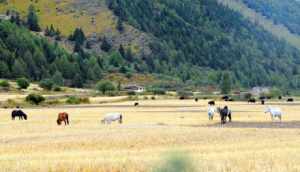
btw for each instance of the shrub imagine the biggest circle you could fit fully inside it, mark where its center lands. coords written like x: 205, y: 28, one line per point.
x: 4, y: 84
x: 23, y: 83
x: 77, y: 100
x: 131, y: 93
x: 159, y: 91
x: 185, y: 94
x: 46, y: 84
x: 176, y: 162
x: 105, y: 86
x: 57, y: 89
x: 35, y: 99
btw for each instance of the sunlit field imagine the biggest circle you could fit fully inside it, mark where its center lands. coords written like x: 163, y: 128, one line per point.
x: 156, y: 127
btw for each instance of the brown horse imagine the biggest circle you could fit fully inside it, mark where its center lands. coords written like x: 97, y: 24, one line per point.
x: 63, y: 116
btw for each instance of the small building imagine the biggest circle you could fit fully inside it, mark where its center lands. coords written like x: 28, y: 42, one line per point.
x: 257, y: 91
x: 134, y: 88
x: 4, y: 17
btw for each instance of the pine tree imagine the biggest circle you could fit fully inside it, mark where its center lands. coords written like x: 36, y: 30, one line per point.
x: 32, y: 19
x: 226, y: 83
x: 122, y: 51
x: 106, y: 46
x: 120, y: 26
x: 58, y: 78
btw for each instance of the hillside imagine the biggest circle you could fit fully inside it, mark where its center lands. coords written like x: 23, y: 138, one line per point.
x: 286, y: 13
x: 194, y: 41
x: 208, y: 36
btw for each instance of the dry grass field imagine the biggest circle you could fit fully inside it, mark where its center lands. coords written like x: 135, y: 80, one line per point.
x: 251, y: 143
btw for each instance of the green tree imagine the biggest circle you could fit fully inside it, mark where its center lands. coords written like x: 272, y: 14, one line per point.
x: 32, y: 19
x: 23, y: 83
x: 105, y: 86
x: 35, y: 99
x: 226, y: 83
x: 47, y: 84
x: 106, y: 46
x: 58, y: 79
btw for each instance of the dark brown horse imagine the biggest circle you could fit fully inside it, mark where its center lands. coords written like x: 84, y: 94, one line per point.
x: 63, y: 116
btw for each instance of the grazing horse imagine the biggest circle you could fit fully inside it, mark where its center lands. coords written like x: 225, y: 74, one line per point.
x: 224, y: 113
x: 263, y: 102
x: 196, y: 99
x: 18, y: 113
x: 275, y: 112
x: 63, y: 116
x: 225, y: 98
x: 212, y: 103
x: 211, y: 112
x: 111, y: 117
x: 290, y: 100
x: 136, y: 104
x: 252, y: 100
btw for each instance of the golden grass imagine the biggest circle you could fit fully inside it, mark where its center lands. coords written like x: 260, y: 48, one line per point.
x: 63, y: 17
x: 148, y: 132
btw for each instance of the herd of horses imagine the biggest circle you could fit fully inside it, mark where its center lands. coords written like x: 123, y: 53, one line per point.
x: 224, y: 113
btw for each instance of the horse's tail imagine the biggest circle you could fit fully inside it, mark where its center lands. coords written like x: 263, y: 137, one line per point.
x: 67, y: 118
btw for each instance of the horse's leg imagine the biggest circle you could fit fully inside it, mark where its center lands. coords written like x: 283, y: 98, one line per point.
x: 279, y: 117
x: 67, y: 120
x: 229, y: 116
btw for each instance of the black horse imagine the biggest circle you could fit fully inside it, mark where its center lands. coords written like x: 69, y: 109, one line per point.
x: 224, y: 113
x: 18, y: 113
x: 252, y: 100
x: 212, y: 103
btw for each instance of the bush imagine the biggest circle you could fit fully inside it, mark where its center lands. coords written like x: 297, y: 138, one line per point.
x: 159, y: 91
x: 105, y: 86
x: 57, y: 89
x: 23, y: 83
x: 77, y: 100
x: 176, y: 162
x: 185, y: 94
x: 35, y: 99
x: 4, y: 84
x: 131, y: 93
x: 46, y: 84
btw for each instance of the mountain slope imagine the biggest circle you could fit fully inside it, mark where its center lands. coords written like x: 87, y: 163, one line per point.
x: 66, y: 15
x: 206, y: 35
x: 192, y: 40
x: 270, y: 24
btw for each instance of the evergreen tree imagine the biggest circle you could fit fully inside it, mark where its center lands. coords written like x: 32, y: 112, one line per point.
x: 106, y: 46
x: 120, y: 26
x: 58, y: 79
x: 122, y: 51
x: 226, y: 83
x: 32, y: 19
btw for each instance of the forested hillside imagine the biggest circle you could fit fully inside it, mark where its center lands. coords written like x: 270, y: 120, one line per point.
x: 191, y: 41
x: 23, y: 54
x: 281, y: 12
x: 193, y: 37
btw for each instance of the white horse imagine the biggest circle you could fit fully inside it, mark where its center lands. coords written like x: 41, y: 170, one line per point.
x: 211, y: 112
x: 111, y: 117
x: 275, y: 112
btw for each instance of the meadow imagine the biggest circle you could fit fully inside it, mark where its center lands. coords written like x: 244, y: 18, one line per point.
x: 149, y: 133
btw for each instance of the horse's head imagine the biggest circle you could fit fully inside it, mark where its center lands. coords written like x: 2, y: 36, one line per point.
x: 58, y: 121
x: 25, y: 116
x: 268, y: 109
